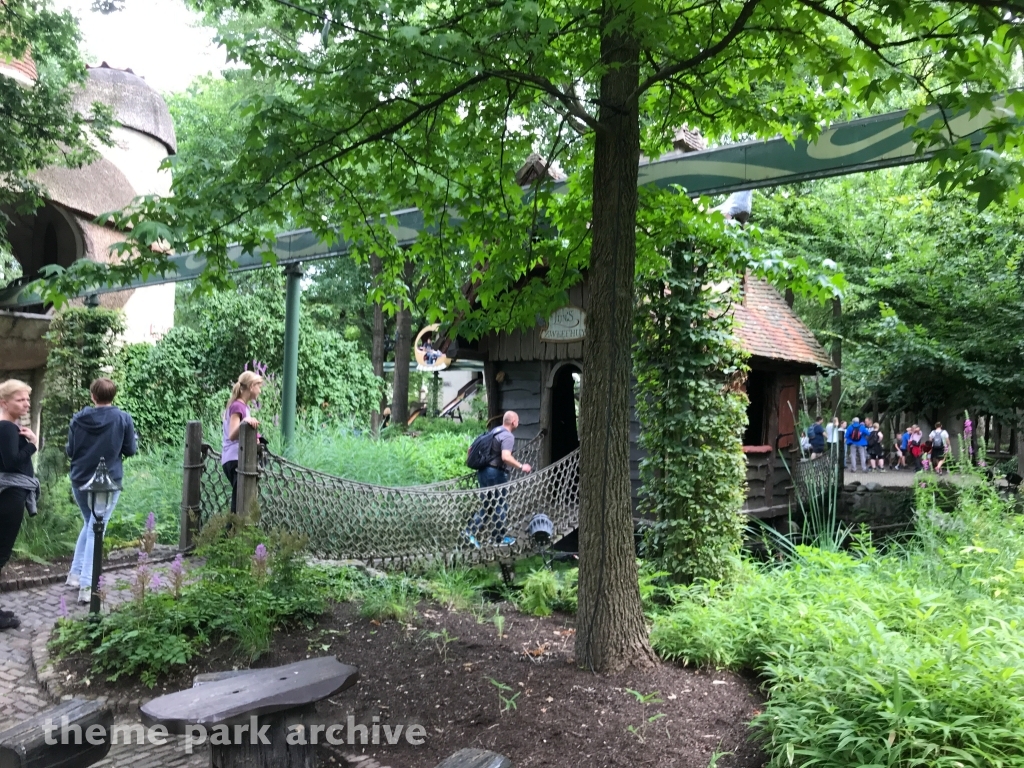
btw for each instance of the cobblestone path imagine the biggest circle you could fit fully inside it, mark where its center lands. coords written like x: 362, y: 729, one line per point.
x: 22, y: 697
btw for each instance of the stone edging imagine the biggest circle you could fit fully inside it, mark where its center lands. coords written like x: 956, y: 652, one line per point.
x: 55, y: 578
x: 54, y: 689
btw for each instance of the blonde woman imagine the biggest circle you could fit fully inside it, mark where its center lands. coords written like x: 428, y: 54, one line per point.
x: 18, y: 485
x: 246, y: 390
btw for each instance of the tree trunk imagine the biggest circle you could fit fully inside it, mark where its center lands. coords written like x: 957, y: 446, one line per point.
x: 403, y: 348
x: 377, y: 353
x: 837, y: 356
x: 610, y: 629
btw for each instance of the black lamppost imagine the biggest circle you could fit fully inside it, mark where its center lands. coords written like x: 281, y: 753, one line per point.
x: 99, y: 491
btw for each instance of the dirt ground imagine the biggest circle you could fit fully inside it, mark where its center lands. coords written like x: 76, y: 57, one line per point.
x: 519, y: 694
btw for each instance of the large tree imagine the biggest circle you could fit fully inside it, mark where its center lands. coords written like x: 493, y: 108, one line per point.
x: 392, y: 103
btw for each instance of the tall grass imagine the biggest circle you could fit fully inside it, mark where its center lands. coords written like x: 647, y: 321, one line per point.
x: 52, y: 533
x: 152, y: 483
x: 912, y: 657
x: 395, y: 461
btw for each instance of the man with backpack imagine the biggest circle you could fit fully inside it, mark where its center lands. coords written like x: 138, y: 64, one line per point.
x: 816, y: 437
x: 940, y: 446
x: 490, y: 455
x: 857, y: 445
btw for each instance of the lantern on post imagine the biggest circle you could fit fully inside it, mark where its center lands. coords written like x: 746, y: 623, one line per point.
x: 100, y: 492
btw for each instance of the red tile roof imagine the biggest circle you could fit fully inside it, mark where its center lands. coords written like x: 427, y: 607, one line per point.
x: 768, y: 327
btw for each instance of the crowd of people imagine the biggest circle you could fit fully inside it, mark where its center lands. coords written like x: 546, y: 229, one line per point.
x: 865, y: 450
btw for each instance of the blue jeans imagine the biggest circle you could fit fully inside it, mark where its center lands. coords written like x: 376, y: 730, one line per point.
x: 81, y: 566
x: 487, y: 478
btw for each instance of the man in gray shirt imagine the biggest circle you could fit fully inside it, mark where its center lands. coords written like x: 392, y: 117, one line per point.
x: 497, y: 474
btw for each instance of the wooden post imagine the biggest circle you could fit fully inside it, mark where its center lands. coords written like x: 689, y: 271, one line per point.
x: 491, y: 389
x: 191, y: 488
x: 545, y: 414
x: 248, y: 470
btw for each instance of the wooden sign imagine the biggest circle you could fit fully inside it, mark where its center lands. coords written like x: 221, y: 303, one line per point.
x: 565, y: 324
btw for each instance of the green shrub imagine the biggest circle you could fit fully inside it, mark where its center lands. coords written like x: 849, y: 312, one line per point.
x: 231, y: 596
x: 908, y: 658
x: 390, y: 597
x: 545, y: 591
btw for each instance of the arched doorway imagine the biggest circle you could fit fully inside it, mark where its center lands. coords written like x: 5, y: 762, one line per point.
x: 565, y: 404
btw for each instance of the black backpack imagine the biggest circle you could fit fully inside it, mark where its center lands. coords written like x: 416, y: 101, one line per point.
x: 485, y: 450
x: 873, y: 438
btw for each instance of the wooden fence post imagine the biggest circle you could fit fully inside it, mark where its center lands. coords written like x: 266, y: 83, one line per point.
x: 191, y: 489
x: 248, y: 469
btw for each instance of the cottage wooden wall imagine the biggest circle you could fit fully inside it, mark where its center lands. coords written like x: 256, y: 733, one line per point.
x: 527, y: 346
x: 519, y: 391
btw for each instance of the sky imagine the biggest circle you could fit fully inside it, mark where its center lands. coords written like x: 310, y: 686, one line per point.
x: 159, y: 40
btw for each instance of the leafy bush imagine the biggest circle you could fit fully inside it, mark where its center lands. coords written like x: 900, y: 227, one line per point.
x: 545, y: 591
x: 908, y: 658
x: 81, y: 341
x: 237, y: 594
x: 163, y: 385
x: 691, y: 413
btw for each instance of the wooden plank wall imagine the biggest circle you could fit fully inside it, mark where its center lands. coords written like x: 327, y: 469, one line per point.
x: 526, y: 345
x: 520, y: 392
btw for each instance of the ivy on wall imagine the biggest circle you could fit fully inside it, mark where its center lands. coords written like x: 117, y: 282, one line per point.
x: 692, y: 413
x: 82, y: 342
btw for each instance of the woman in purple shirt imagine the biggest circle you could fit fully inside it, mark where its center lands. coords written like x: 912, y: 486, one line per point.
x: 246, y: 389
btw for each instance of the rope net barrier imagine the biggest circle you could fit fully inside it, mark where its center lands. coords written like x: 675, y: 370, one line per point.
x: 447, y: 521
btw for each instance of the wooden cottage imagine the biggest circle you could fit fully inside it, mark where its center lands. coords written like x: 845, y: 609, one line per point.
x: 537, y: 373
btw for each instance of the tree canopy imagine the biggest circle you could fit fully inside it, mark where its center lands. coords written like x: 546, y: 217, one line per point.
x: 935, y: 306
x: 382, y: 104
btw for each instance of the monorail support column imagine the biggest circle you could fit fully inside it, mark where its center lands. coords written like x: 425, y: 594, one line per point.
x: 293, y: 294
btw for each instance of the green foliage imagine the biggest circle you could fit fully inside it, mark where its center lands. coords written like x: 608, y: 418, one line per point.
x: 164, y: 385
x: 152, y: 483
x: 905, y: 658
x: 506, y: 699
x: 390, y: 597
x: 396, y: 461
x: 691, y: 413
x: 226, y: 598
x: 52, y: 533
x: 545, y: 590
x: 935, y: 289
x: 187, y: 374
x: 455, y: 588
x: 82, y: 342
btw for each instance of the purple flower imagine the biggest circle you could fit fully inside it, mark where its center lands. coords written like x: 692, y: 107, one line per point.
x: 63, y: 607
x: 143, y: 558
x: 259, y: 561
x: 178, y: 566
x: 151, y: 523
x: 155, y: 583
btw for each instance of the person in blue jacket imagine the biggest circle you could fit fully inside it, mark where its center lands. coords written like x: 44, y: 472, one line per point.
x: 857, y: 444
x: 100, y: 431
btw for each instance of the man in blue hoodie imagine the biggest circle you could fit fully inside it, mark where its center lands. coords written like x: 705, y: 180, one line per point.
x: 101, y: 431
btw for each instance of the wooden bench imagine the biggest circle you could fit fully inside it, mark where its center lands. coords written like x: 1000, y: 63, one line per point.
x: 83, y: 725
x: 476, y: 758
x: 276, y: 698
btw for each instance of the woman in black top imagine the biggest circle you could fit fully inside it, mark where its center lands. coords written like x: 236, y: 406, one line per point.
x: 17, y: 444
